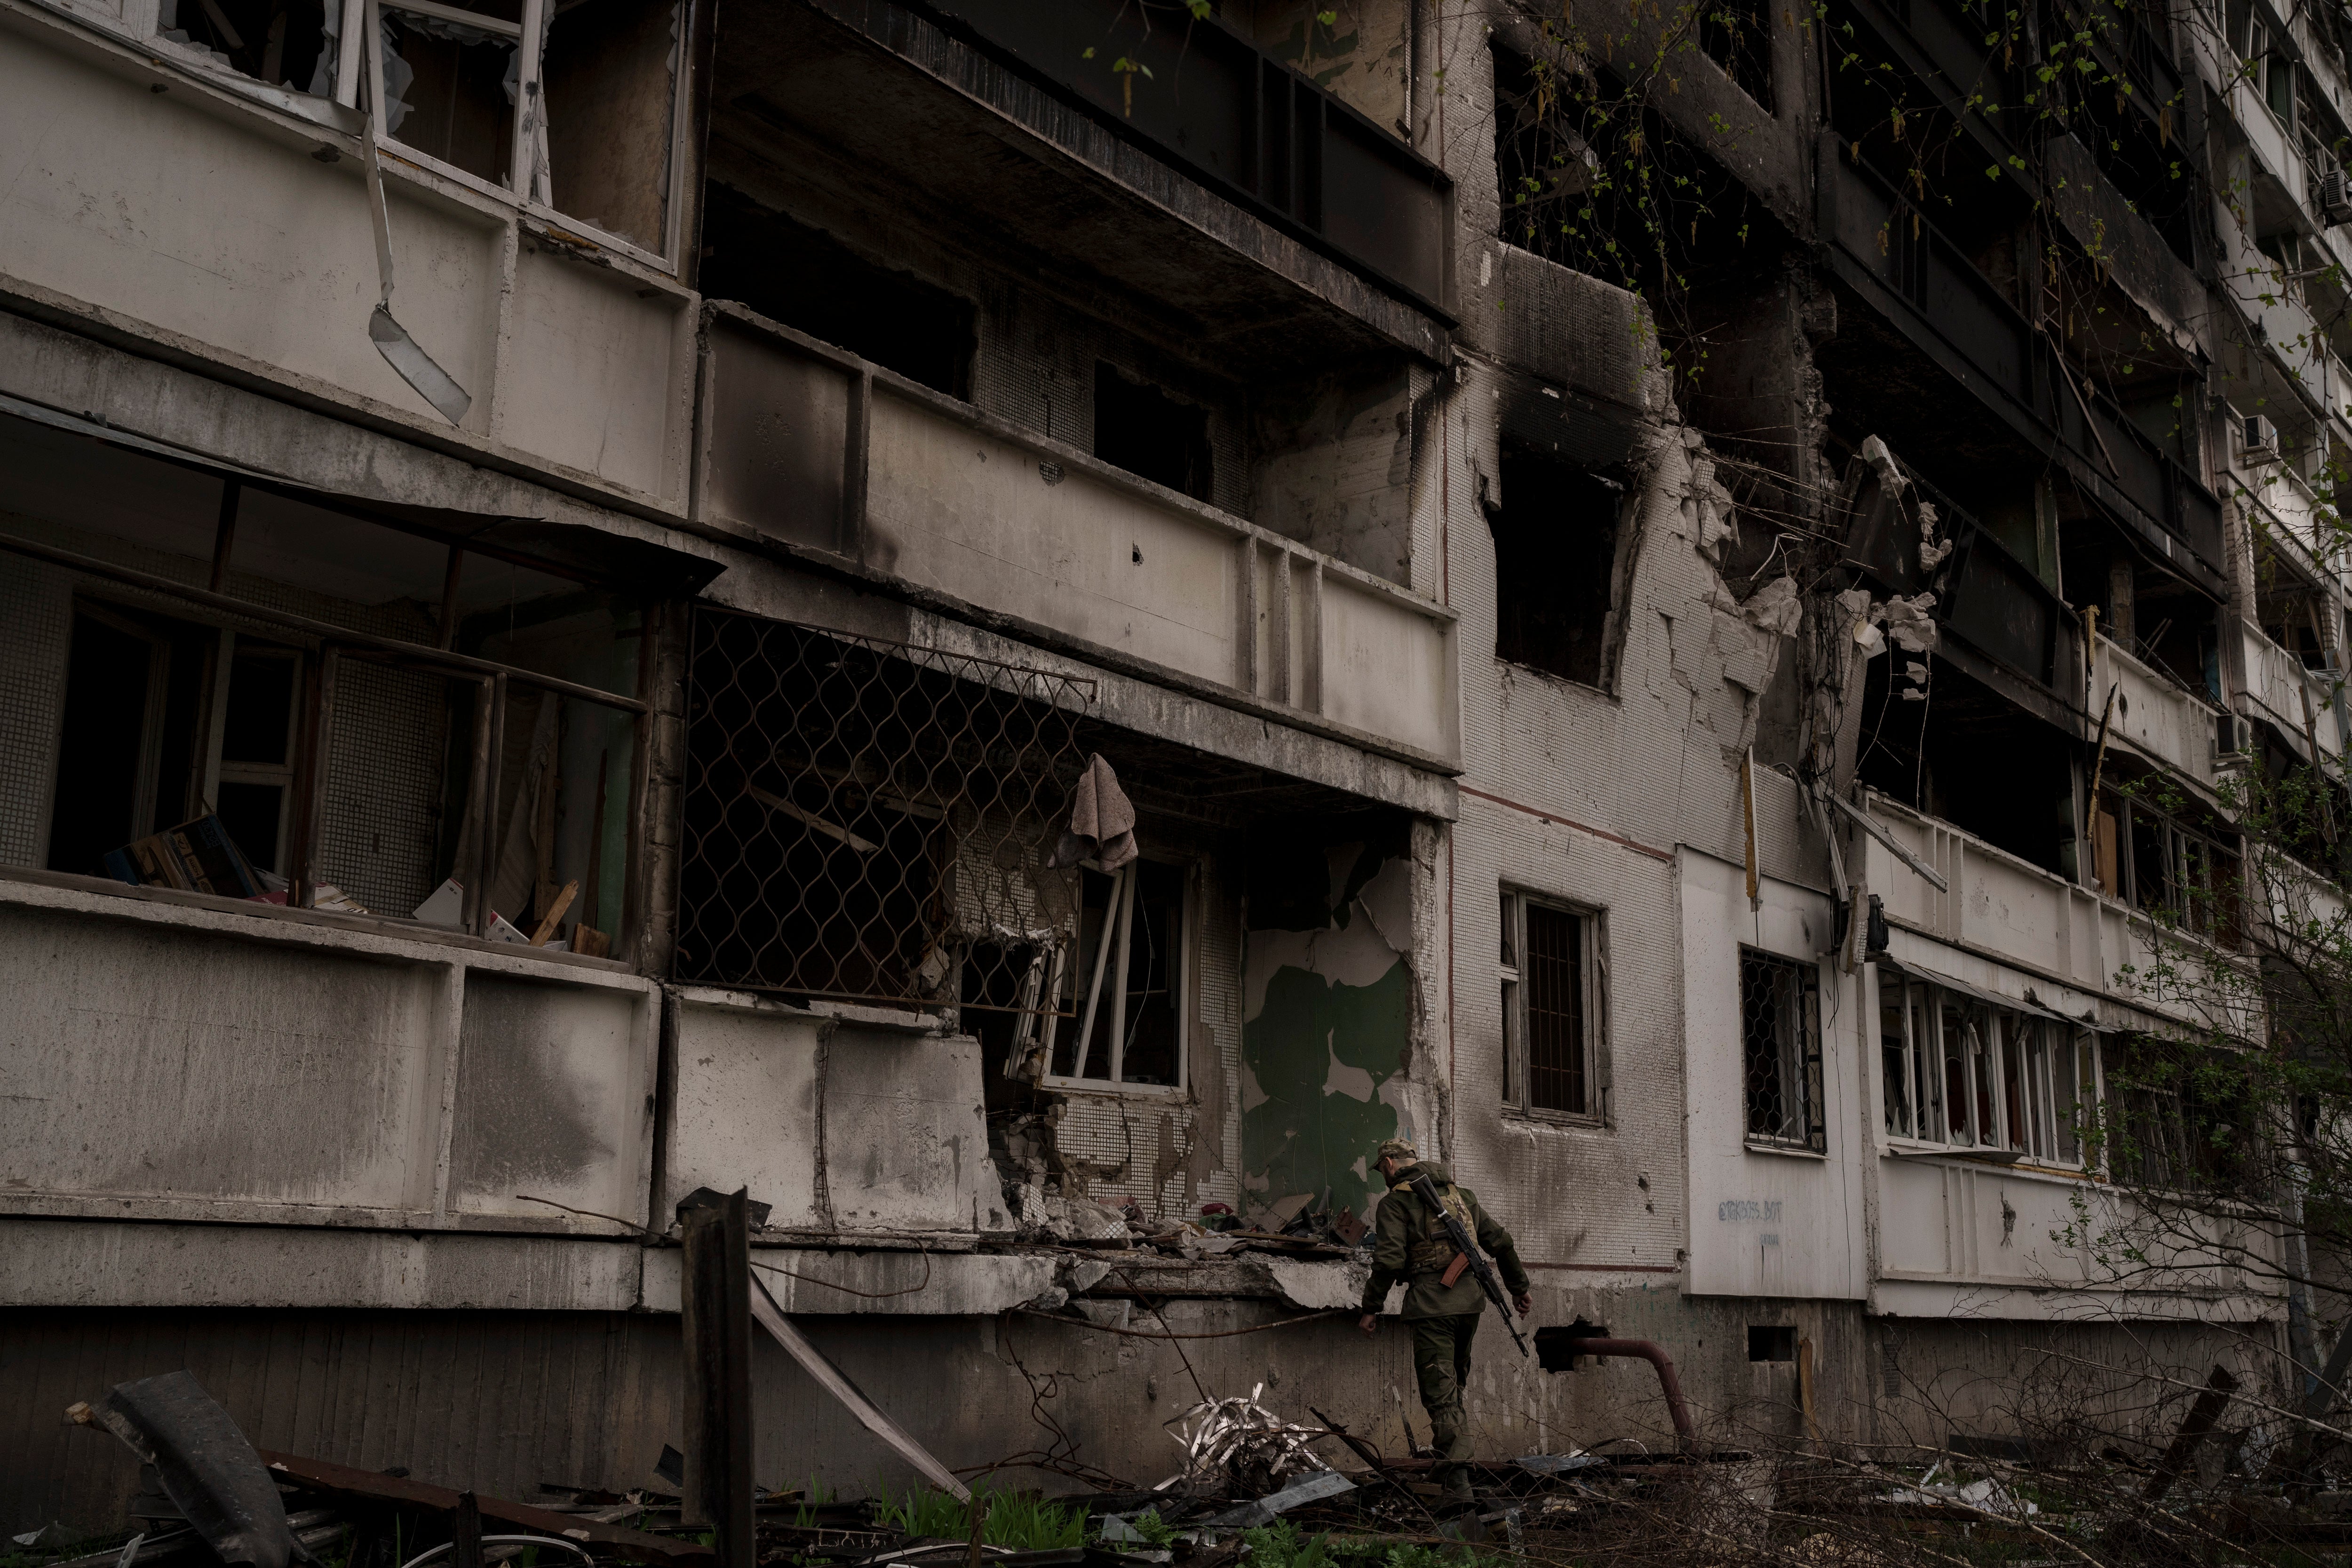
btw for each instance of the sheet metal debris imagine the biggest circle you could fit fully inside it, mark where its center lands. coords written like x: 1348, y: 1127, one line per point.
x: 1240, y: 1446
x: 1261, y: 1510
x: 208, y: 1470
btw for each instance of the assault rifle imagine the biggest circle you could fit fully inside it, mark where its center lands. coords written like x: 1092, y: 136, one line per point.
x: 1466, y: 1248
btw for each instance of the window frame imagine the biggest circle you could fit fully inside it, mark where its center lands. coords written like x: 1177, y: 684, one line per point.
x: 1811, y: 1066
x: 2038, y: 1056
x: 139, y: 26
x: 1511, y: 971
x: 1079, y: 972
x: 320, y: 647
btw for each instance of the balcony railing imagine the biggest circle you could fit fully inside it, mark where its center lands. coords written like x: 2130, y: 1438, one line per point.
x: 2005, y: 909
x: 803, y: 442
x: 2302, y: 703
x: 2154, y: 714
x: 1245, y: 123
x: 1930, y: 286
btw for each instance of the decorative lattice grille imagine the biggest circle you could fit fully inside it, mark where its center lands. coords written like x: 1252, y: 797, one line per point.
x: 1781, y: 1031
x: 869, y: 821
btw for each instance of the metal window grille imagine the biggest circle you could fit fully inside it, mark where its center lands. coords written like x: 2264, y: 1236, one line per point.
x: 1554, y: 1007
x: 868, y: 821
x: 1780, y: 1015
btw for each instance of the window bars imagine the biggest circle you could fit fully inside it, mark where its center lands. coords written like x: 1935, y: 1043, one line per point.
x: 869, y: 821
x: 1781, y: 1034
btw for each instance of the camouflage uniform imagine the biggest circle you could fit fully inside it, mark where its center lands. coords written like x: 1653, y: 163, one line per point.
x: 1411, y: 1246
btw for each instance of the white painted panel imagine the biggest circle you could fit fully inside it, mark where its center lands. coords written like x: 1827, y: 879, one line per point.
x: 153, y: 1061
x: 1764, y: 1223
x: 906, y: 1135
x: 1912, y: 1235
x: 957, y: 509
x: 147, y: 204
x: 553, y: 1084
x: 745, y: 1109
x: 590, y: 375
x: 1384, y: 668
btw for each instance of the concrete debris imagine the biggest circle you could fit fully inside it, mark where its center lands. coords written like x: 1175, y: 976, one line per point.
x: 1908, y: 623
x: 1984, y: 1493
x: 1705, y: 502
x: 1778, y: 607
x: 1874, y: 453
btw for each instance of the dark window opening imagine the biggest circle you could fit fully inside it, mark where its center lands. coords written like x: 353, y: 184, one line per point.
x: 1149, y: 434
x: 1780, y: 1029
x: 2295, y: 612
x: 1737, y: 36
x: 812, y: 283
x: 282, y: 42
x: 1125, y: 993
x: 1555, y: 533
x: 1771, y: 1341
x: 1960, y: 750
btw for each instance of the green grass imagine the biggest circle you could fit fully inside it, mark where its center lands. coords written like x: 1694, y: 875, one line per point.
x: 1021, y: 1523
x: 813, y: 1495
x: 1280, y: 1545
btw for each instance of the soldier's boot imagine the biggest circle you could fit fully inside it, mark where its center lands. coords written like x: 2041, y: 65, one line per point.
x: 1456, y: 1487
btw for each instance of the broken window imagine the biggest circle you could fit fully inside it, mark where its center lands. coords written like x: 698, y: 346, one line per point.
x: 2168, y: 866
x: 1127, y: 990
x: 581, y: 115
x: 1149, y: 434
x: 1963, y: 1073
x: 1781, y: 1037
x: 1548, y: 1012
x: 1894, y: 1076
x: 866, y: 821
x: 2174, y: 1114
x: 311, y: 740
x: 286, y: 43
x: 1555, y: 529
x: 812, y: 283
x: 451, y: 82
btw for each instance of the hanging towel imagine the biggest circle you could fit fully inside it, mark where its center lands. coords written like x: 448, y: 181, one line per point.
x: 1102, y: 821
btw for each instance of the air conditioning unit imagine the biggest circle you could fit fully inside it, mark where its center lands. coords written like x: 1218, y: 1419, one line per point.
x: 2258, y: 439
x: 2335, y: 197
x: 2233, y: 735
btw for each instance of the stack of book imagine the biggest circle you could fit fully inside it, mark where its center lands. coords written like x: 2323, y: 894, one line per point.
x: 196, y: 857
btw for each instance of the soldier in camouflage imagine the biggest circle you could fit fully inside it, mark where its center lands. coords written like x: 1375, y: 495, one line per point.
x: 1410, y: 1246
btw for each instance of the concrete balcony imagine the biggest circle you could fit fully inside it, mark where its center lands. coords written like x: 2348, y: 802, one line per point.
x: 2154, y: 713
x: 196, y: 1059
x: 2001, y: 909
x: 802, y: 443
x: 2299, y: 702
x: 578, y: 354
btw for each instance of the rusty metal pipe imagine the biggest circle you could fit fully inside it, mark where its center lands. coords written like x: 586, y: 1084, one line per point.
x: 1686, y: 1435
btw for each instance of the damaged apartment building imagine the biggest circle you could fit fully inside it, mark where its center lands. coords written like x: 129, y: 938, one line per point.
x: 590, y: 585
